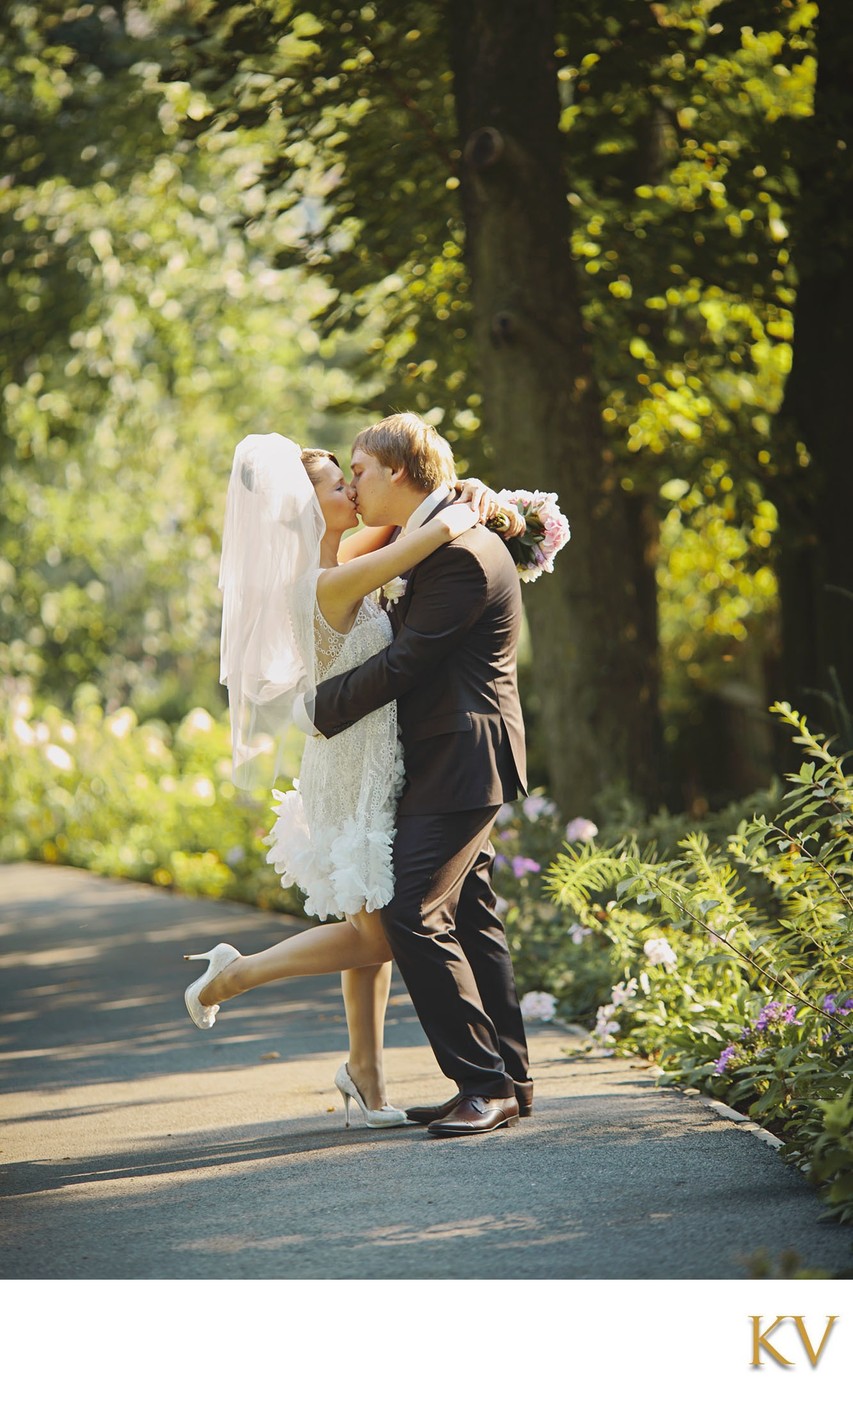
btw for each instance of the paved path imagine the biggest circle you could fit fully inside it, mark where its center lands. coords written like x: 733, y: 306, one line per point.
x: 133, y: 1146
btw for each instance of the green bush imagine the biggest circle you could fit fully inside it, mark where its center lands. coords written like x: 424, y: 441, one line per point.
x: 135, y: 800
x: 731, y: 961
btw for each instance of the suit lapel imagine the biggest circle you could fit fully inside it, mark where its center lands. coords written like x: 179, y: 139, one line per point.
x: 395, y: 608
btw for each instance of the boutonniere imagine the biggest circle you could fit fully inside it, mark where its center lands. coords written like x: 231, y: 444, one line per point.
x: 395, y: 589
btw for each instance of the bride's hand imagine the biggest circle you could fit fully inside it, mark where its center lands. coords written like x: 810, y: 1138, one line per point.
x: 487, y: 505
x: 457, y: 518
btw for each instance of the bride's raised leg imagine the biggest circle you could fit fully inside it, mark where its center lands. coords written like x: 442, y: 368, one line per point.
x: 318, y: 951
x: 365, y: 992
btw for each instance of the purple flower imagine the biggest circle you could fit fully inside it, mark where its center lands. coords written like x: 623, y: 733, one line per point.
x: 773, y: 1013
x: 522, y: 865
x: 536, y: 805
x: 721, y: 1062
x: 832, y: 1007
x: 770, y: 1012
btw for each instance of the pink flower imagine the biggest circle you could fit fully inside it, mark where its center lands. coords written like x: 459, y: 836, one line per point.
x: 580, y: 831
x: 547, y: 531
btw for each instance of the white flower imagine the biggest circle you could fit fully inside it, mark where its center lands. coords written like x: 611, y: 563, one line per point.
x: 579, y: 830
x: 501, y: 905
x: 538, y: 1005
x: 58, y: 757
x: 623, y: 992
x: 199, y: 720
x: 156, y: 749
x: 605, y: 1026
x: 122, y: 723
x: 660, y: 953
x: 235, y: 854
x: 68, y: 732
x: 577, y: 933
x: 504, y: 815
x: 23, y: 731
x: 395, y: 589
x: 203, y: 789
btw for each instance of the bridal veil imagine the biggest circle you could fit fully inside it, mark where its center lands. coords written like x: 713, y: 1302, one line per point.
x: 268, y: 578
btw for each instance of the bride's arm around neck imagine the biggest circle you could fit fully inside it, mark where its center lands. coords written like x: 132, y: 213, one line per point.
x: 364, y: 540
x: 341, y: 589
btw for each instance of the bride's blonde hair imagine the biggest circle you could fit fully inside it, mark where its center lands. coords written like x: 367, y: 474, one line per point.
x: 312, y: 459
x: 406, y: 441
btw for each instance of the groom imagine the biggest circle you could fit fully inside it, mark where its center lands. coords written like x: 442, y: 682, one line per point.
x: 452, y: 669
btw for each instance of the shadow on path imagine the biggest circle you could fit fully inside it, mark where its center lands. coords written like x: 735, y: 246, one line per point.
x: 134, y: 1146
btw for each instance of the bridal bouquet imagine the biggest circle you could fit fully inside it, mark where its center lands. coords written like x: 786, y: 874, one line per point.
x: 546, y: 530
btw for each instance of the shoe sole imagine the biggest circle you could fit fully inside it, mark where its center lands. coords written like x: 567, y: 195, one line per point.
x: 471, y: 1131
x: 425, y: 1121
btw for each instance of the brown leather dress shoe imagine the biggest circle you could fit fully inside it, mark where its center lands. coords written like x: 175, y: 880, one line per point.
x: 425, y: 1115
x: 473, y: 1113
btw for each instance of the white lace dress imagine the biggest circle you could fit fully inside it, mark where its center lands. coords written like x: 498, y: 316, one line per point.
x: 335, y: 829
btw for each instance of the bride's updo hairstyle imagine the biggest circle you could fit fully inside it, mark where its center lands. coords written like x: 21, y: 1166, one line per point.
x: 406, y: 441
x: 312, y: 459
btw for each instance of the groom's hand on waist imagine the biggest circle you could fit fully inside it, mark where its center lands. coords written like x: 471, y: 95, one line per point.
x: 301, y: 716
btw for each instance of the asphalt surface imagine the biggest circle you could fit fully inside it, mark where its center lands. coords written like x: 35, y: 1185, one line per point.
x: 134, y: 1146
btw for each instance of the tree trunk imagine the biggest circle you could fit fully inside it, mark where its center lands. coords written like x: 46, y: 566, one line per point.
x: 593, y: 623
x: 815, y: 431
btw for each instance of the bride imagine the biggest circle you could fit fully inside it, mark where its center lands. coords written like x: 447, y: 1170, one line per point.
x: 298, y: 606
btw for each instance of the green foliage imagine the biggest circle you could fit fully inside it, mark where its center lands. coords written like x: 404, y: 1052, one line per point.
x: 677, y: 133
x: 135, y: 800
x: 222, y: 218
x: 680, y: 123
x: 734, y: 959
x: 148, y: 330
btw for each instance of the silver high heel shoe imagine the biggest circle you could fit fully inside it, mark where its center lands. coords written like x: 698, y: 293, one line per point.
x: 386, y: 1116
x: 219, y: 957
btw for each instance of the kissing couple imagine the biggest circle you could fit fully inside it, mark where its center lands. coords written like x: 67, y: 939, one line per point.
x: 394, y: 648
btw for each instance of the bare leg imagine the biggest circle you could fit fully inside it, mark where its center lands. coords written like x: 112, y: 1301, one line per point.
x: 335, y: 946
x: 365, y: 1000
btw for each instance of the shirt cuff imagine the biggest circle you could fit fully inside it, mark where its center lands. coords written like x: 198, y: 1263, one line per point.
x: 301, y: 718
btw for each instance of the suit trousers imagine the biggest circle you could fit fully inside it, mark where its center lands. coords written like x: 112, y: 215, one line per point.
x: 451, y: 949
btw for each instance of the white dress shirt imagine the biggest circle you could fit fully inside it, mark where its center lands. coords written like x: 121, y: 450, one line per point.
x: 423, y: 509
x: 415, y: 520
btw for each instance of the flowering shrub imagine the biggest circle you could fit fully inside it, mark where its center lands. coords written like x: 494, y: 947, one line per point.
x: 734, y: 966
x: 550, y: 954
x: 143, y: 801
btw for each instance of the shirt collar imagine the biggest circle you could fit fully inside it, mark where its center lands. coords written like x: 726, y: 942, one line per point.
x: 423, y: 510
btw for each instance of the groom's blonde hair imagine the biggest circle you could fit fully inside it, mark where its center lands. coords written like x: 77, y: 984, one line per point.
x: 406, y: 441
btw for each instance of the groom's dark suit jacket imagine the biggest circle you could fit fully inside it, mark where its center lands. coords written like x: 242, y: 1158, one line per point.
x: 452, y: 668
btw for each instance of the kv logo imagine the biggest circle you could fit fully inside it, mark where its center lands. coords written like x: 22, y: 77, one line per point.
x: 761, y: 1340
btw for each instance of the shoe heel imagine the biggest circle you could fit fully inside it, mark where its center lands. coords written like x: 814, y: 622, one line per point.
x: 198, y: 956
x: 511, y: 1121
x: 346, y: 1098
